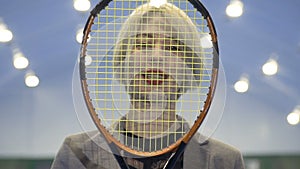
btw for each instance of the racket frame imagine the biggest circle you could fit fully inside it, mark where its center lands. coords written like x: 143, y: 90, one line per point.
x: 180, y: 145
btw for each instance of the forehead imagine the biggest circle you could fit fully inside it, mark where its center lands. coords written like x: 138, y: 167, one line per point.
x: 161, y: 23
x: 163, y: 30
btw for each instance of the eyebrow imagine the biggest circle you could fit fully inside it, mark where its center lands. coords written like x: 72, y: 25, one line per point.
x: 152, y: 36
x: 146, y: 35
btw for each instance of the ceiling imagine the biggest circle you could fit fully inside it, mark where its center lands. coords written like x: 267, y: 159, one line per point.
x: 34, y: 121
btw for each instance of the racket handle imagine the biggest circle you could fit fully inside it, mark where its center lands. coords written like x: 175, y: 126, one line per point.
x: 175, y: 157
x: 121, y: 162
x: 118, y: 157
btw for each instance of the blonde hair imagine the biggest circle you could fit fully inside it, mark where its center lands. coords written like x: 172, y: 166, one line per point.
x: 171, y: 22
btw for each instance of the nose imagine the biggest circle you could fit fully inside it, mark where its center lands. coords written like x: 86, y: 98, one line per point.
x: 156, y: 56
x: 155, y: 60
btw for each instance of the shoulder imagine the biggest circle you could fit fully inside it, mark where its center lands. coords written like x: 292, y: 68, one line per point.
x: 73, y: 152
x: 75, y: 144
x: 215, y: 153
x: 66, y: 156
x: 80, y: 137
x: 224, y: 154
x: 216, y: 147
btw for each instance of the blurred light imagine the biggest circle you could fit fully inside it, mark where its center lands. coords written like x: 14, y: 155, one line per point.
x: 242, y: 85
x: 157, y: 3
x: 270, y: 67
x: 235, y: 8
x: 294, y: 117
x: 82, y: 5
x: 88, y: 60
x: 253, y: 164
x: 19, y: 60
x: 206, y: 41
x: 5, y: 34
x: 79, y: 35
x: 31, y: 80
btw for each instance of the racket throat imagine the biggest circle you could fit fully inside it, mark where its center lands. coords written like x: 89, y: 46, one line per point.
x: 117, y: 154
x: 152, y: 162
x: 174, y: 158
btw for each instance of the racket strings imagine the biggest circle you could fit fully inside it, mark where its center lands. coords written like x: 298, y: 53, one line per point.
x: 146, y: 144
x: 145, y: 67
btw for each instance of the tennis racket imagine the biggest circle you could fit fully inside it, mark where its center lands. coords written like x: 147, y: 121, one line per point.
x: 148, y: 72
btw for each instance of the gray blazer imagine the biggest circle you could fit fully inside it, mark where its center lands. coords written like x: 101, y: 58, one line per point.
x: 82, y: 151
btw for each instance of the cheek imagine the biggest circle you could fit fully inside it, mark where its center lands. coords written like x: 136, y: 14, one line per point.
x: 136, y: 60
x: 170, y: 86
x: 175, y: 65
x: 138, y: 83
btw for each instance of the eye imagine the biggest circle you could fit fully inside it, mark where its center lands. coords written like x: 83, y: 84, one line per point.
x: 143, y: 46
x: 172, y: 48
x: 140, y: 46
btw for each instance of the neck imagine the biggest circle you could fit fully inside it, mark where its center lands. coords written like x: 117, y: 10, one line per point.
x: 163, y: 124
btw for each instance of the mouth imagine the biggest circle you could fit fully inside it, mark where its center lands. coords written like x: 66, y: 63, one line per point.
x: 154, y: 77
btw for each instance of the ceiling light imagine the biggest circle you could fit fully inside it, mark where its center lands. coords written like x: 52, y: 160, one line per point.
x: 79, y: 35
x: 5, y: 34
x: 242, y: 85
x: 82, y: 5
x: 88, y: 60
x: 157, y: 3
x: 270, y: 67
x: 19, y: 60
x: 293, y: 118
x: 31, y: 80
x: 235, y: 8
x: 206, y: 41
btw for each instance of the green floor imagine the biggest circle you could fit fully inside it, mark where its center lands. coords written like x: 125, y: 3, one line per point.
x: 25, y: 163
x: 252, y: 162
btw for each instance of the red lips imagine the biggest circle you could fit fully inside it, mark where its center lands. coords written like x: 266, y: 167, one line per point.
x: 154, y: 76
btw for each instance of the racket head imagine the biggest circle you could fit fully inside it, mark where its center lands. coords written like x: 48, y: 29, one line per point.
x: 148, y: 108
